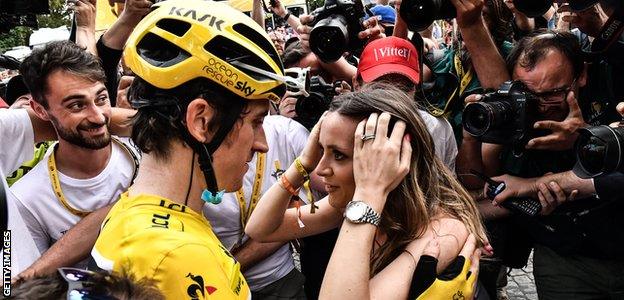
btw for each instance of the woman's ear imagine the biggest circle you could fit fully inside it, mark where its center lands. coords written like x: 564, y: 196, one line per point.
x: 198, y: 116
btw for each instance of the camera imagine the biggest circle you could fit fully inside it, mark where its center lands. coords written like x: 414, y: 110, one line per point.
x: 419, y: 14
x: 335, y: 28
x: 310, y: 109
x: 599, y: 151
x: 503, y: 117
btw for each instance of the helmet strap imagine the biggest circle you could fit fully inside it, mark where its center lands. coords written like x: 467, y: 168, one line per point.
x: 205, y: 151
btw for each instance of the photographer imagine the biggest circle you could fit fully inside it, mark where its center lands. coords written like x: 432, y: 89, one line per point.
x: 475, y: 64
x: 576, y: 243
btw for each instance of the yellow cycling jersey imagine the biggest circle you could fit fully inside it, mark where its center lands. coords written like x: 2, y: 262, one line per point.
x: 149, y: 236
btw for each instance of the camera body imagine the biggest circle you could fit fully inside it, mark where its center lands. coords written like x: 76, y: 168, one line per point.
x: 419, y: 14
x: 310, y: 109
x: 503, y: 117
x: 335, y: 28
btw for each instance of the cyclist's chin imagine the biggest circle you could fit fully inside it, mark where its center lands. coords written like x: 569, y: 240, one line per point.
x: 232, y: 184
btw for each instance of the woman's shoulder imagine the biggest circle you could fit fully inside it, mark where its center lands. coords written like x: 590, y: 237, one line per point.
x: 451, y: 235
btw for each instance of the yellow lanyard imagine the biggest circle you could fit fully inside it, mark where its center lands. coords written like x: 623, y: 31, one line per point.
x: 56, y: 183
x: 465, y: 80
x: 245, y: 212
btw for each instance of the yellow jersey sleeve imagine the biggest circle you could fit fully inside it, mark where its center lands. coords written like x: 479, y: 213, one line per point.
x: 194, y: 271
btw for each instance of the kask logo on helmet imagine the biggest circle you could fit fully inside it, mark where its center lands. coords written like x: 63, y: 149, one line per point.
x: 191, y: 13
x: 226, y: 76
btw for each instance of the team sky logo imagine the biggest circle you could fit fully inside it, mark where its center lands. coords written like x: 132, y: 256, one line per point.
x: 227, y: 77
x: 191, y: 13
x: 197, y: 288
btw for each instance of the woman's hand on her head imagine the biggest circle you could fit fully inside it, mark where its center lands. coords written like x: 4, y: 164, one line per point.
x: 312, y: 154
x: 380, y: 162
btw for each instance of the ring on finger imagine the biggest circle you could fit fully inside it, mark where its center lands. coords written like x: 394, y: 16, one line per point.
x: 367, y: 137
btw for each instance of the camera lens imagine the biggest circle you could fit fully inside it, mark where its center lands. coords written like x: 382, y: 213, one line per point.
x: 329, y: 38
x: 419, y: 14
x: 533, y: 8
x: 598, y: 151
x: 478, y: 118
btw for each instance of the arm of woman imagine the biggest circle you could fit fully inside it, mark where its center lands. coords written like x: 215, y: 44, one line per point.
x: 447, y: 236
x: 272, y: 221
x: 451, y: 235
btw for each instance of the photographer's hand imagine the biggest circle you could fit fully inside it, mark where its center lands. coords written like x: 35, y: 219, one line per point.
x: 620, y: 110
x: 589, y: 21
x: 551, y: 195
x: 373, y: 29
x: 304, y: 31
x: 135, y: 10
x: 117, y: 35
x: 563, y: 133
x: 287, y: 105
x: 279, y: 9
x: 469, y: 12
x: 515, y: 187
x: 84, y: 12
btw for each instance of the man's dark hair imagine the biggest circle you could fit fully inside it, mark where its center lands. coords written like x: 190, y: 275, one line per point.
x: 533, y: 49
x: 154, y: 127
x: 61, y: 55
x: 293, y: 53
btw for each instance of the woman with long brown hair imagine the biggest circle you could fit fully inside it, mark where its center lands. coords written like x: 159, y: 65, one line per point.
x: 375, y: 153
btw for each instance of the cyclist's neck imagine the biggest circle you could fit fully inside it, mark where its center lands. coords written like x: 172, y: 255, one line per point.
x: 170, y: 178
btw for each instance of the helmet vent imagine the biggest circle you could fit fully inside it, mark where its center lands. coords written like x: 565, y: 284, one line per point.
x: 176, y: 27
x: 260, y: 40
x: 229, y: 51
x: 160, y: 52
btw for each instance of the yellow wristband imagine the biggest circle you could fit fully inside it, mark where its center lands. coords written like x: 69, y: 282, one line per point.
x: 302, y: 171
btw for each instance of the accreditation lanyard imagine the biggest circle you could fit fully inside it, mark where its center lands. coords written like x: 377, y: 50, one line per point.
x: 56, y: 183
x: 245, y: 212
x: 463, y: 84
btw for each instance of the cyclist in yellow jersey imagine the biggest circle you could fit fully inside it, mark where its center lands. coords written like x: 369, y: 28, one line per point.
x: 205, y: 76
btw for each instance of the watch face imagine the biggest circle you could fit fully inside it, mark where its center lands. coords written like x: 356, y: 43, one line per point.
x: 355, y: 211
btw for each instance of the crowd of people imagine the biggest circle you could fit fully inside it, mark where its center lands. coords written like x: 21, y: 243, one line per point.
x: 192, y: 152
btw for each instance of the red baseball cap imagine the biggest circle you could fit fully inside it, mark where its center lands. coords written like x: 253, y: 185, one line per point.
x: 389, y: 55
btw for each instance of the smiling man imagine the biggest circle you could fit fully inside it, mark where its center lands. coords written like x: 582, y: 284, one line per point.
x: 84, y: 171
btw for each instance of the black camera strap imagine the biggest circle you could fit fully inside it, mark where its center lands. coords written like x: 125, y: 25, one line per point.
x: 609, y: 34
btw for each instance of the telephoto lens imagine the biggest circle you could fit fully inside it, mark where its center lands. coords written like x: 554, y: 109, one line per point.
x: 480, y: 117
x: 419, y: 14
x: 598, y: 151
x: 329, y: 38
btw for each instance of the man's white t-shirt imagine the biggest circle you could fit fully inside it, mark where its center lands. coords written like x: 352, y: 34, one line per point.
x: 443, y: 138
x: 46, y: 217
x: 17, y: 144
x: 286, y: 139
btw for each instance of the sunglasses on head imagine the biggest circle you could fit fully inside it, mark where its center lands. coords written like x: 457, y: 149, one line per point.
x: 85, y: 285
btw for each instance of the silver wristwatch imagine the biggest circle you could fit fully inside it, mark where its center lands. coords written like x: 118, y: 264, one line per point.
x: 360, y: 212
